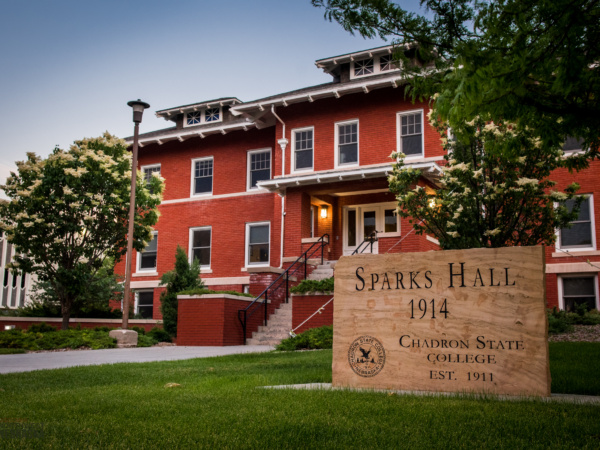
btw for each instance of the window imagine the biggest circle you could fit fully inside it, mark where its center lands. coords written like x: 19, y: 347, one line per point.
x: 581, y: 234
x: 144, y: 303
x: 410, y: 133
x: 257, y: 243
x: 390, y: 221
x: 147, y: 257
x: 200, y: 241
x: 204, y: 115
x: 202, y: 176
x: 364, y: 67
x: 303, y: 149
x: 347, y: 143
x: 572, y: 144
x: 148, y: 172
x: 578, y: 290
x: 372, y: 66
x: 259, y: 167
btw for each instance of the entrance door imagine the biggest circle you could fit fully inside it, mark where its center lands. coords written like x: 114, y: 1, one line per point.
x: 360, y: 222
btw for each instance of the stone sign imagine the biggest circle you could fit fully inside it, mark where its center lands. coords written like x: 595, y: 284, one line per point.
x: 452, y: 321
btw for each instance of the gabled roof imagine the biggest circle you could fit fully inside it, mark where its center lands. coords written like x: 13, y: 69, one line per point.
x: 167, y: 114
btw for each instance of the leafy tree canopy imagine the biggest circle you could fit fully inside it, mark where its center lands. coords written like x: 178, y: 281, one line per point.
x: 69, y: 212
x: 530, y: 61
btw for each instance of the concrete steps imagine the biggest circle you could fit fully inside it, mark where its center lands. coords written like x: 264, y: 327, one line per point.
x: 277, y: 329
x: 322, y: 271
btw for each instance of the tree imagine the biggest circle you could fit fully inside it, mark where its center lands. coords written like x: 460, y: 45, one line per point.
x: 494, y: 190
x: 69, y: 212
x: 185, y: 276
x: 535, y: 62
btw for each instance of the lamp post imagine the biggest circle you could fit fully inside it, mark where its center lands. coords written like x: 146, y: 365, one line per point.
x: 138, y: 107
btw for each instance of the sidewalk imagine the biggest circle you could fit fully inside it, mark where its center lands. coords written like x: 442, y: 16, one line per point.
x: 56, y: 360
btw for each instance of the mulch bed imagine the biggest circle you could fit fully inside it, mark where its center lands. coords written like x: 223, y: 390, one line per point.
x: 582, y: 333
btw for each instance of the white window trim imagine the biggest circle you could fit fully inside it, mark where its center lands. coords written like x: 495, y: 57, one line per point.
x: 293, y: 151
x: 151, y: 270
x: 337, y: 143
x: 202, y: 112
x: 246, y: 255
x: 561, y: 301
x: 193, y: 177
x: 592, y: 226
x: 191, y: 243
x: 381, y: 207
x: 249, y: 165
x: 399, y: 114
x: 149, y: 166
x: 136, y: 303
x: 376, y: 67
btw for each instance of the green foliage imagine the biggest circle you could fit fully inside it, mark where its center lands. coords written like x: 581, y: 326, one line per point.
x: 159, y: 335
x: 306, y: 286
x: 574, y: 367
x: 560, y: 321
x: 527, y: 61
x: 185, y: 276
x: 42, y: 327
x: 67, y: 214
x: 139, y: 330
x: 314, y: 338
x: 494, y: 190
x: 146, y: 341
x: 55, y: 339
x: 203, y: 291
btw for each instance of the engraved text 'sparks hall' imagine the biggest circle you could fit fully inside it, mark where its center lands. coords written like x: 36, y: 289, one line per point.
x: 453, y: 321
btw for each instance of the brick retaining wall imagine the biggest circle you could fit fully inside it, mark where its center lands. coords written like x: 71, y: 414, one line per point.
x: 303, y: 305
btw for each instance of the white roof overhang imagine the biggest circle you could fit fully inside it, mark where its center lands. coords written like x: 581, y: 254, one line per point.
x: 430, y: 170
x: 329, y: 64
x: 168, y: 114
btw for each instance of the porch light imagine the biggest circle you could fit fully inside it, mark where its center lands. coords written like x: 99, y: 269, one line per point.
x: 323, y: 211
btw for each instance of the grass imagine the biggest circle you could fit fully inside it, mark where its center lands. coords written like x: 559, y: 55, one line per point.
x: 219, y: 405
x: 574, y: 367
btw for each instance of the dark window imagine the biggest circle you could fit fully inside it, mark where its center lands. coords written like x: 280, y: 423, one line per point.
x: 385, y: 63
x: 572, y: 144
x: 303, y: 150
x: 203, y: 176
x: 194, y: 118
x: 348, y: 143
x: 579, y: 291
x: 364, y: 67
x: 260, y: 167
x: 391, y: 221
x: 145, y: 304
x: 580, y: 232
x: 212, y: 115
x: 258, y: 244
x: 148, y: 255
x: 201, y: 246
x: 411, y: 134
x: 351, y: 227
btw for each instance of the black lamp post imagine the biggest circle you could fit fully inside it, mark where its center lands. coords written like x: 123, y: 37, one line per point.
x: 138, y: 110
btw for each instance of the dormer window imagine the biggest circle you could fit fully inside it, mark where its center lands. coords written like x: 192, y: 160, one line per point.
x: 372, y: 66
x: 204, y: 115
x: 364, y: 67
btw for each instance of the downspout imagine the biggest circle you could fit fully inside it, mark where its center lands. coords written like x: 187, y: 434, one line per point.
x: 283, y: 144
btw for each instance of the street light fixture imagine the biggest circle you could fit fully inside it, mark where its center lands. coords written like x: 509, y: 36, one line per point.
x: 138, y: 107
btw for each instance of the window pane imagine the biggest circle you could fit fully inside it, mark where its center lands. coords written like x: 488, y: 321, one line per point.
x: 259, y: 234
x: 578, y: 286
x: 369, y: 222
x: 201, y: 238
x: 260, y: 167
x: 202, y: 255
x: 258, y: 253
x: 572, y: 144
x: 351, y: 228
x: 304, y: 159
x: 145, y: 298
x: 148, y: 260
x: 579, y: 234
x: 212, y: 114
x: 348, y: 153
x: 411, y: 145
x: 152, y: 245
x: 363, y: 67
x: 390, y: 221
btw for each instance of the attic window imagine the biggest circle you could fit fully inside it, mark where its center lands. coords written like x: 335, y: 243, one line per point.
x: 204, y: 115
x: 385, y: 63
x: 364, y: 67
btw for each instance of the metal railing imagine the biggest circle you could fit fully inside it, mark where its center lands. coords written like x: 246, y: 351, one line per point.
x: 262, y: 300
x: 367, y: 243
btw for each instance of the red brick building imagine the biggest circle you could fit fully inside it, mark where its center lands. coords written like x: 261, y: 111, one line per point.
x: 249, y: 185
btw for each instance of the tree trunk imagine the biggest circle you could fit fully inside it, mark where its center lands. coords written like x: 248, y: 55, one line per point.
x: 65, y: 308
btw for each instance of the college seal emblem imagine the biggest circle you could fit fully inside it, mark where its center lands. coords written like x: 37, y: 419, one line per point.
x: 366, y: 356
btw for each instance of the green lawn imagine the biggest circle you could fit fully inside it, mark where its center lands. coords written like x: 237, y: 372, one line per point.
x: 218, y: 405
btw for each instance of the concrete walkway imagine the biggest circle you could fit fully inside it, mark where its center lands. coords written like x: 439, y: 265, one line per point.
x: 56, y: 360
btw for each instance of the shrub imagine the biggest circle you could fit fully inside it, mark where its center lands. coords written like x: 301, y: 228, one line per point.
x: 159, y: 335
x: 55, y: 339
x: 560, y: 321
x: 203, y: 291
x: 42, y: 327
x: 315, y: 338
x: 146, y: 341
x: 306, y: 286
x: 139, y: 330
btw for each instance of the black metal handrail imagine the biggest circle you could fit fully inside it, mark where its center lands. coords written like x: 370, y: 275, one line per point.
x: 300, y: 263
x: 369, y: 241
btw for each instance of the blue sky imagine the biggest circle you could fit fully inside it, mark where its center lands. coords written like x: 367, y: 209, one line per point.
x: 69, y: 67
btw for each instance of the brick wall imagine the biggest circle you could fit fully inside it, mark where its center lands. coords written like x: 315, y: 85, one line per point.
x: 303, y: 306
